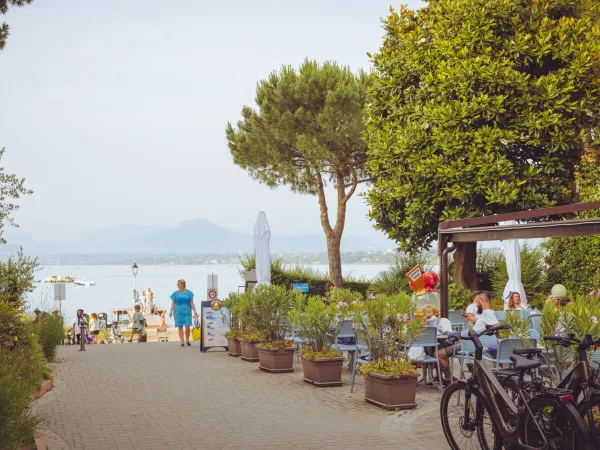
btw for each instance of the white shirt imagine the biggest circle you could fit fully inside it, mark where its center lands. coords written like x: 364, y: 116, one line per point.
x: 472, y: 309
x: 94, y: 325
x: 486, y: 318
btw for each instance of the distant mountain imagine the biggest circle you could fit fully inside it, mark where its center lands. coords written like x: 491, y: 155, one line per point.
x: 196, y: 236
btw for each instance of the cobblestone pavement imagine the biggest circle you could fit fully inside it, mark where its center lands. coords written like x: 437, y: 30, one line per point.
x: 159, y: 396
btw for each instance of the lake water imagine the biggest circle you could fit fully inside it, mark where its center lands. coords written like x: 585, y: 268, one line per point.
x: 114, y: 284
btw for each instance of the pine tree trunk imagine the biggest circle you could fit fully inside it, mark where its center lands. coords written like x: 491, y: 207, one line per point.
x: 464, y: 267
x: 335, y: 259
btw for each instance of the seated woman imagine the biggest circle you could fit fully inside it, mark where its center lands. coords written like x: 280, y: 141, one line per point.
x: 514, y: 301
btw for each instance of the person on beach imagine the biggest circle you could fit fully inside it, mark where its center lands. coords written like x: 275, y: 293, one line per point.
x: 94, y: 328
x: 163, y: 322
x: 182, y: 302
x: 149, y: 302
x: 115, y: 331
x: 79, y: 325
x: 138, y: 323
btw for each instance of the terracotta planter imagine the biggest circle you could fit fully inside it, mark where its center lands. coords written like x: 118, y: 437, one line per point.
x: 390, y: 392
x: 249, y: 351
x: 276, y: 360
x: 323, y: 372
x: 235, y: 349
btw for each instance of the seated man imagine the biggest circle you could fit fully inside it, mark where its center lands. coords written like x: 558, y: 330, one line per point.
x: 485, y: 316
x: 115, y: 332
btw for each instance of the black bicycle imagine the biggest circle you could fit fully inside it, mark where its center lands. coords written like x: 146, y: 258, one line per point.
x: 478, y: 412
x: 582, y: 380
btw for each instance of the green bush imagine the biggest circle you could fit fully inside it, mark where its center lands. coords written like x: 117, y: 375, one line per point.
x: 285, y: 276
x: 51, y: 333
x: 459, y: 297
x: 393, y: 280
x: 17, y: 277
x: 17, y: 381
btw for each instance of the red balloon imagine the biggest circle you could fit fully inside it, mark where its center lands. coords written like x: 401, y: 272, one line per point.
x: 431, y: 280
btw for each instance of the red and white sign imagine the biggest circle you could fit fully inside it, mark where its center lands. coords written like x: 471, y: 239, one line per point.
x: 212, y: 294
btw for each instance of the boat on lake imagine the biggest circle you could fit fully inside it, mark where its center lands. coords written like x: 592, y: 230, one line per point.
x: 84, y: 282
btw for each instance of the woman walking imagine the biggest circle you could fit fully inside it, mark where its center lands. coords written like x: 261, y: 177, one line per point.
x: 182, y: 302
x: 80, y: 325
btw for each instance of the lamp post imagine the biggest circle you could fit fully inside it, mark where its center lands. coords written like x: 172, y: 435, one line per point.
x: 134, y: 270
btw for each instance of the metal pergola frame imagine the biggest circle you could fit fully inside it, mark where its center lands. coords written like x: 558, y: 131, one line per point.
x: 486, y: 228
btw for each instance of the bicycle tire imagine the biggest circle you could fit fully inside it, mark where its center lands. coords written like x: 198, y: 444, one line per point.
x: 582, y: 408
x: 560, y: 422
x: 480, y: 438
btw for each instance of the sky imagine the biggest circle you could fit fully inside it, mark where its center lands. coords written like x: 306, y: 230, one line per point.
x: 115, y: 111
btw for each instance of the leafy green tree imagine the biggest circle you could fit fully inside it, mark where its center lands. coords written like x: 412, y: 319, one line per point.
x: 306, y: 133
x: 4, y: 28
x: 479, y: 107
x: 17, y: 276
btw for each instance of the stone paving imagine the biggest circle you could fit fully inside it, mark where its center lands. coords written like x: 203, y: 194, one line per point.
x: 162, y: 396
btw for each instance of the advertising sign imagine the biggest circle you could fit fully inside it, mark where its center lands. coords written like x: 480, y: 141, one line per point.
x: 213, y: 327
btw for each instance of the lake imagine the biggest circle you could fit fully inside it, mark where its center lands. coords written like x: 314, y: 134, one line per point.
x: 114, y: 284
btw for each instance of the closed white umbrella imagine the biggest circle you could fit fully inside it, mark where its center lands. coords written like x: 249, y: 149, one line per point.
x: 262, y: 249
x: 512, y: 253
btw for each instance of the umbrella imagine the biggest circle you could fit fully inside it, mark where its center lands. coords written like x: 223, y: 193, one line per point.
x: 512, y: 253
x: 262, y: 249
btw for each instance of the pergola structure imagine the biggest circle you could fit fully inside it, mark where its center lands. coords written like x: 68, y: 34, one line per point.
x: 486, y: 228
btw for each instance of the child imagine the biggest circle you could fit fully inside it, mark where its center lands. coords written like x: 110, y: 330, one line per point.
x: 80, y: 324
x: 94, y: 328
x: 138, y: 323
x: 116, y: 333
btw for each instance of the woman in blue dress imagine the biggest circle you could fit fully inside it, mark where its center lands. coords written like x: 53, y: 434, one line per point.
x: 183, y: 304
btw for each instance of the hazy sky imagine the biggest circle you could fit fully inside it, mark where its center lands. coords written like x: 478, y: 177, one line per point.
x: 115, y: 111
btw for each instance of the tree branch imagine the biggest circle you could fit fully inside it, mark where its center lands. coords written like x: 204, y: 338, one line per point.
x: 364, y: 180
x: 352, y: 186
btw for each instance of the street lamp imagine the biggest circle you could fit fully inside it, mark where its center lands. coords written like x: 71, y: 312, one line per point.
x: 134, y: 270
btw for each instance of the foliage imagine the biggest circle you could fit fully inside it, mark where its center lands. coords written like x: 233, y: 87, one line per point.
x: 311, y: 354
x: 551, y: 324
x: 284, y: 276
x: 387, y: 325
x: 459, y: 297
x: 4, y: 28
x: 393, y: 280
x: 17, y: 279
x: 307, y: 132
x: 313, y: 321
x: 231, y: 320
x: 51, y: 333
x: 274, y: 345
x: 479, y: 107
x: 265, y: 311
x: 575, y: 261
x: 519, y: 328
x: 396, y: 367
x: 488, y: 263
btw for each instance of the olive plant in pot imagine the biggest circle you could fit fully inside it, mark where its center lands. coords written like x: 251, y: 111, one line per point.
x: 249, y: 336
x: 270, y: 317
x: 233, y: 322
x: 387, y: 326
x: 316, y: 322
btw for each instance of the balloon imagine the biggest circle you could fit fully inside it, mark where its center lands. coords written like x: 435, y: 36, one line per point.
x: 559, y: 290
x: 431, y: 280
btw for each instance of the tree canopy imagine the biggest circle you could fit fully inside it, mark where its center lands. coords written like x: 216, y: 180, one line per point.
x: 479, y: 107
x: 4, y: 28
x: 307, y: 131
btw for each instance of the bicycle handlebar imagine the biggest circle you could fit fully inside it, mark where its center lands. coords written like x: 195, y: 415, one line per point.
x: 489, y: 330
x: 568, y: 340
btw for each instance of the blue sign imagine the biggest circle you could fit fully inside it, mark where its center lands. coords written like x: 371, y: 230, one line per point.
x: 300, y: 287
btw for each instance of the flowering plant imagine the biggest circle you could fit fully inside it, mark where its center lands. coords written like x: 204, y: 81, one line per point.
x: 396, y: 368
x: 344, y: 300
x: 389, y: 332
x: 273, y: 345
x: 316, y: 322
x: 310, y: 354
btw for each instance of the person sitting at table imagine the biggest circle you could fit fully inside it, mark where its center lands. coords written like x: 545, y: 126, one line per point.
x: 514, y: 301
x: 479, y: 324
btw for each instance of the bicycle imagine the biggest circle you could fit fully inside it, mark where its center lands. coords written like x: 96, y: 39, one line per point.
x: 548, y: 421
x: 582, y: 380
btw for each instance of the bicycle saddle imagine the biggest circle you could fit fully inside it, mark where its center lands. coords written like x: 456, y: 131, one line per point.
x: 523, y: 364
x: 527, y: 351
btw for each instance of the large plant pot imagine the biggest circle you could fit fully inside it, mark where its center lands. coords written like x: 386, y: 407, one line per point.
x: 249, y: 350
x: 390, y: 392
x: 235, y: 349
x: 323, y: 372
x: 276, y: 360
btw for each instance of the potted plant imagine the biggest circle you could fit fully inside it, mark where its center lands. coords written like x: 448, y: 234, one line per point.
x: 389, y: 330
x: 270, y: 316
x: 232, y: 303
x: 316, y: 322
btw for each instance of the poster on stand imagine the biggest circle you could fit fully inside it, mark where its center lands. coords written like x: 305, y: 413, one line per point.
x: 213, y: 327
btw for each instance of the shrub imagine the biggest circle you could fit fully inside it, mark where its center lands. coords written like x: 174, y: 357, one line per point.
x: 51, y: 333
x: 459, y: 297
x: 17, y: 277
x: 314, y: 321
x: 285, y: 276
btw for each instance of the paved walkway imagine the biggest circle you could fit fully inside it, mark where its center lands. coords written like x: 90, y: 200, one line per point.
x: 159, y: 396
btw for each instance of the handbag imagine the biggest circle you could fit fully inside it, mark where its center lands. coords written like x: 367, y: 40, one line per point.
x: 196, y: 330
x: 143, y: 338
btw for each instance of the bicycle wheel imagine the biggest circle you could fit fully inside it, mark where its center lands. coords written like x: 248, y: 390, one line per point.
x: 594, y: 427
x: 558, y: 422
x: 479, y: 432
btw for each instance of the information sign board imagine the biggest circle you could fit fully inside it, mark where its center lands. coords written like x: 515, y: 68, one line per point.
x: 213, y: 327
